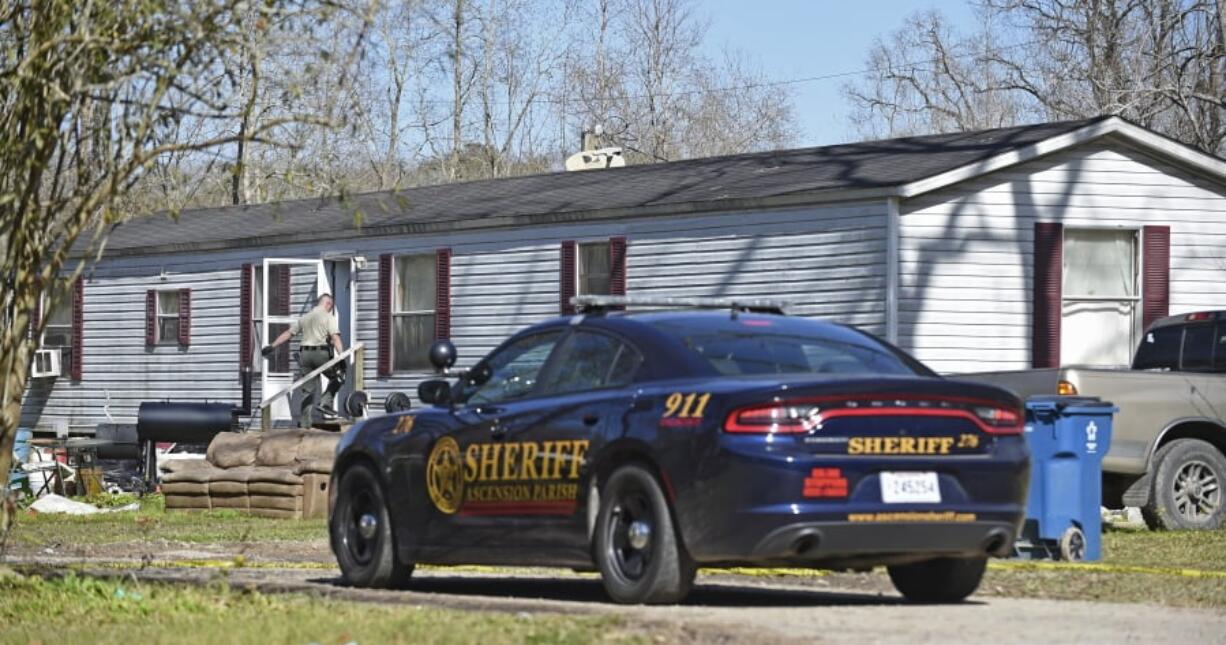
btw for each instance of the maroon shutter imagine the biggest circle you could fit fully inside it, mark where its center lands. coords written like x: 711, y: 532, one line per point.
x: 78, y: 328
x: 566, y: 275
x: 1155, y: 274
x: 283, y: 275
x: 385, y: 315
x: 151, y: 318
x: 1048, y: 292
x: 617, y: 266
x: 244, y: 316
x: 185, y: 317
x: 442, y: 294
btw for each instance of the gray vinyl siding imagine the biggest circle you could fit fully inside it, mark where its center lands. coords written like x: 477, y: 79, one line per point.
x: 966, y: 252
x: 828, y: 260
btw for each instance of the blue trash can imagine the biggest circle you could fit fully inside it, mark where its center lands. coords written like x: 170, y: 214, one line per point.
x: 1068, y: 438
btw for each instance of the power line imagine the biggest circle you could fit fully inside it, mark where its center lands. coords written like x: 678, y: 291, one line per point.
x: 736, y: 88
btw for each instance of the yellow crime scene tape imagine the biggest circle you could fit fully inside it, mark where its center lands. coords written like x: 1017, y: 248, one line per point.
x: 1093, y: 567
x: 1101, y: 567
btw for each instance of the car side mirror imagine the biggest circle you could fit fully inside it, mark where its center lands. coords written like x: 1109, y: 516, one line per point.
x: 442, y: 355
x: 435, y: 392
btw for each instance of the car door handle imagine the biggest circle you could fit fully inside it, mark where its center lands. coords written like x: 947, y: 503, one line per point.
x: 590, y: 420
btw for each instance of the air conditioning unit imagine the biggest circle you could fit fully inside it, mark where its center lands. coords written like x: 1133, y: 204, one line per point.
x: 46, y: 363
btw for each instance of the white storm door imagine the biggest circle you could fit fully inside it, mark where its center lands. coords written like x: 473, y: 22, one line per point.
x: 272, y: 382
x: 1101, y: 306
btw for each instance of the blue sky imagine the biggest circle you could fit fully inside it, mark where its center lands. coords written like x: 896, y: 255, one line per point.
x: 802, y: 38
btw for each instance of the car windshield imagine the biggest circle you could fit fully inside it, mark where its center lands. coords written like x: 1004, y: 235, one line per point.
x: 735, y: 352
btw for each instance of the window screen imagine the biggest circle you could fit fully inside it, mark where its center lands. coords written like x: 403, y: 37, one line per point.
x: 413, y: 300
x: 58, y: 332
x: 168, y: 318
x: 1100, y: 263
x: 594, y: 268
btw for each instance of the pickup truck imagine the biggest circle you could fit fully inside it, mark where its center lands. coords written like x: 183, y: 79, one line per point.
x: 1168, y: 447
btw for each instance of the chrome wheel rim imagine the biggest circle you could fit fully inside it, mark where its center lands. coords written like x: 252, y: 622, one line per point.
x: 1197, y: 491
x: 629, y: 536
x: 361, y: 531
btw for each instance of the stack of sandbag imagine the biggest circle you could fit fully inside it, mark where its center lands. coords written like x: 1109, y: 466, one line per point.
x: 185, y: 484
x: 274, y: 474
x: 273, y: 488
x: 233, y: 453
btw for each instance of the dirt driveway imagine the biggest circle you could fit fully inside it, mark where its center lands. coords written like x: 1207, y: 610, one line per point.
x: 733, y: 608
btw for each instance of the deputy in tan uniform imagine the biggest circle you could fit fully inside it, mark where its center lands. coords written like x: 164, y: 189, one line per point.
x: 319, y: 330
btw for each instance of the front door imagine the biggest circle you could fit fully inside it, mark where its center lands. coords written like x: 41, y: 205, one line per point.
x: 307, y: 279
x: 1100, y: 322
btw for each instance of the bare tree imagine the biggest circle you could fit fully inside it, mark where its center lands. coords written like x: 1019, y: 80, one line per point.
x: 926, y: 77
x: 1159, y: 63
x: 92, y: 95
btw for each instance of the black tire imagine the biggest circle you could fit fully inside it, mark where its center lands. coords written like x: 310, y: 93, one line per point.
x: 938, y: 580
x: 657, y: 571
x: 366, y: 559
x: 1187, y: 481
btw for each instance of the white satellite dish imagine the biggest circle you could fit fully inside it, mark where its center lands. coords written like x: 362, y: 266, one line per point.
x: 596, y: 159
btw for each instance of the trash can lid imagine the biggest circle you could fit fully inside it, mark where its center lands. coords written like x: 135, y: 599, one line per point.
x: 1070, y: 404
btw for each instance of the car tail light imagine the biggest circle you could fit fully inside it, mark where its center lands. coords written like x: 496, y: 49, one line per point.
x: 1064, y: 388
x: 999, y: 420
x: 772, y: 418
x: 805, y: 415
x: 1201, y: 315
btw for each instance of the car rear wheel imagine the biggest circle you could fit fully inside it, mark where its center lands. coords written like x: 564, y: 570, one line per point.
x: 1187, y: 487
x: 361, y: 532
x: 938, y: 580
x: 641, y: 560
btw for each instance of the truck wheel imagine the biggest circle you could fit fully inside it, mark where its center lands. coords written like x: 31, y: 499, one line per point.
x: 361, y: 532
x: 1188, y: 475
x: 938, y: 580
x: 641, y: 560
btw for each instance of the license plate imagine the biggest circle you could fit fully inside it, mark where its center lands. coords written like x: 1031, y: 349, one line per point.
x: 910, y: 488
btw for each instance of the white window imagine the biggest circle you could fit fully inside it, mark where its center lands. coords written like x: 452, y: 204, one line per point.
x: 1101, y: 302
x: 57, y: 333
x: 413, y: 301
x: 168, y: 318
x: 593, y: 272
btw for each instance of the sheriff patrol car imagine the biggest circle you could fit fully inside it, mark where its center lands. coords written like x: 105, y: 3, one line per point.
x: 647, y: 444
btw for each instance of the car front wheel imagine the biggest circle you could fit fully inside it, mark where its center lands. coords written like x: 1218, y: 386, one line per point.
x: 361, y: 533
x: 938, y: 580
x: 641, y: 560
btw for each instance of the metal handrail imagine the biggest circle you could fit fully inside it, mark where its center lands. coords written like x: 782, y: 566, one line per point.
x: 313, y: 374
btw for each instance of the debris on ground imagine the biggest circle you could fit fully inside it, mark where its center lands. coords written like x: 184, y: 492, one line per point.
x: 53, y: 503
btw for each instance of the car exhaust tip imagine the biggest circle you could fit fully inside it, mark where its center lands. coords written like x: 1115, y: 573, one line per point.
x: 806, y: 544
x: 996, y: 543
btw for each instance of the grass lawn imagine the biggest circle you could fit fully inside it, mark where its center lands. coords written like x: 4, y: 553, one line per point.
x: 152, y: 522
x: 85, y: 610
x: 1179, y: 568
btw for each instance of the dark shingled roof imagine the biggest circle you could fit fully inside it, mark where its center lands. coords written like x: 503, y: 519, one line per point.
x: 555, y: 196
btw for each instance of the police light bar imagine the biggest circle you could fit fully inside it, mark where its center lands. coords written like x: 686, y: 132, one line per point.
x: 597, y: 304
